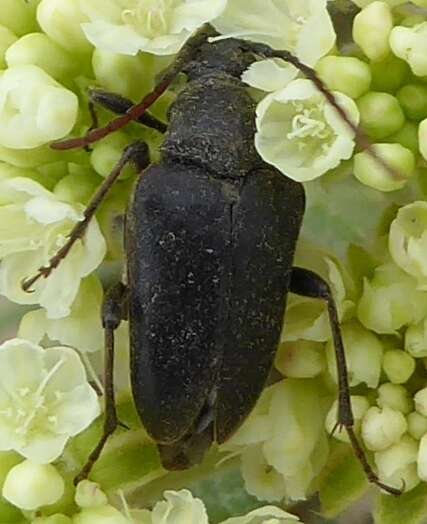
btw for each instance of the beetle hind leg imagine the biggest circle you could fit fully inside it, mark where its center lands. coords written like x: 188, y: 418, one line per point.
x: 308, y: 284
x: 114, y: 310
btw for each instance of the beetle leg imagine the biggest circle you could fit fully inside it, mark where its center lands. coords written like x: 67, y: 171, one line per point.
x: 136, y: 153
x: 308, y: 284
x: 114, y: 310
x: 120, y: 106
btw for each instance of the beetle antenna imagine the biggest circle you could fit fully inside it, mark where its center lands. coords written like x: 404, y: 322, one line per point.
x: 136, y: 111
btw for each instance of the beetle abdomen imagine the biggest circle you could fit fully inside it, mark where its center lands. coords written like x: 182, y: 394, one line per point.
x: 178, y: 233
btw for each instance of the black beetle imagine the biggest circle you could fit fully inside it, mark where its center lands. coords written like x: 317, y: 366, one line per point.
x: 210, y: 238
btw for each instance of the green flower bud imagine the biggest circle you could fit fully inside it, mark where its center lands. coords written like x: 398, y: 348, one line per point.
x: 346, y: 74
x: 417, y: 425
x: 398, y: 366
x: 422, y: 459
x: 6, y: 40
x: 416, y: 339
x: 300, y: 359
x: 100, y: 515
x: 359, y: 405
x: 382, y: 427
x: 53, y: 519
x: 422, y: 138
x: 368, y: 171
x: 61, y: 21
x: 395, y: 397
x: 364, y: 355
x: 408, y: 43
x: 107, y: 153
x: 407, y: 136
x: 372, y: 28
x: 130, y: 76
x: 413, y: 100
x: 89, y: 495
x: 391, y: 300
x: 78, y: 187
x: 380, y: 114
x: 397, y: 464
x: 30, y: 486
x: 420, y: 399
x: 389, y: 74
x: 38, y: 49
x: 17, y: 16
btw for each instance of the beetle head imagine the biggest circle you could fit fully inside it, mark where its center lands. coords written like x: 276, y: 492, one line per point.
x: 226, y: 56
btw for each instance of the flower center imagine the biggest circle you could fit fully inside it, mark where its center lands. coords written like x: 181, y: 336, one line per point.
x: 309, y: 122
x: 29, y: 407
x: 149, y: 17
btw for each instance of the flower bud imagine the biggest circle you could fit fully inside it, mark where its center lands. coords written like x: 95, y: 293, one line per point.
x: 391, y: 300
x: 346, y: 74
x: 422, y: 459
x: 77, y: 188
x: 53, y: 519
x: 380, y: 114
x: 407, y: 240
x: 420, y: 399
x: 300, y: 359
x: 407, y: 136
x: 6, y: 40
x: 38, y: 49
x: 408, y: 43
x: 413, y: 100
x: 359, y: 406
x: 395, y: 397
x: 382, y: 427
x: 107, y: 153
x: 369, y: 172
x: 261, y: 479
x: 100, y: 515
x: 372, y: 28
x: 417, y: 425
x: 17, y: 16
x: 389, y: 74
x: 398, y: 366
x: 89, y: 495
x: 416, y: 339
x: 364, y: 355
x: 422, y: 138
x: 30, y: 486
x: 397, y: 464
x: 61, y: 20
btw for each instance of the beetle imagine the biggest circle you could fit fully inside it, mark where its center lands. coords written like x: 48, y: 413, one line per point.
x: 211, y: 232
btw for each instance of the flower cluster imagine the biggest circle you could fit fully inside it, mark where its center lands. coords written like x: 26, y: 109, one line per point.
x: 365, y: 233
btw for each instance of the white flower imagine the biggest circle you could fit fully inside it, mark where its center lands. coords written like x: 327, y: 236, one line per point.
x: 408, y: 241
x: 301, y: 26
x: 160, y: 27
x: 81, y: 329
x: 301, y: 134
x: 180, y: 507
x: 33, y: 226
x: 44, y: 399
x: 34, y: 108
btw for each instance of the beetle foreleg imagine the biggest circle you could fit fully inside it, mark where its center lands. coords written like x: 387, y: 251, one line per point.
x: 114, y: 310
x: 308, y: 284
x: 136, y: 153
x: 120, y: 106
